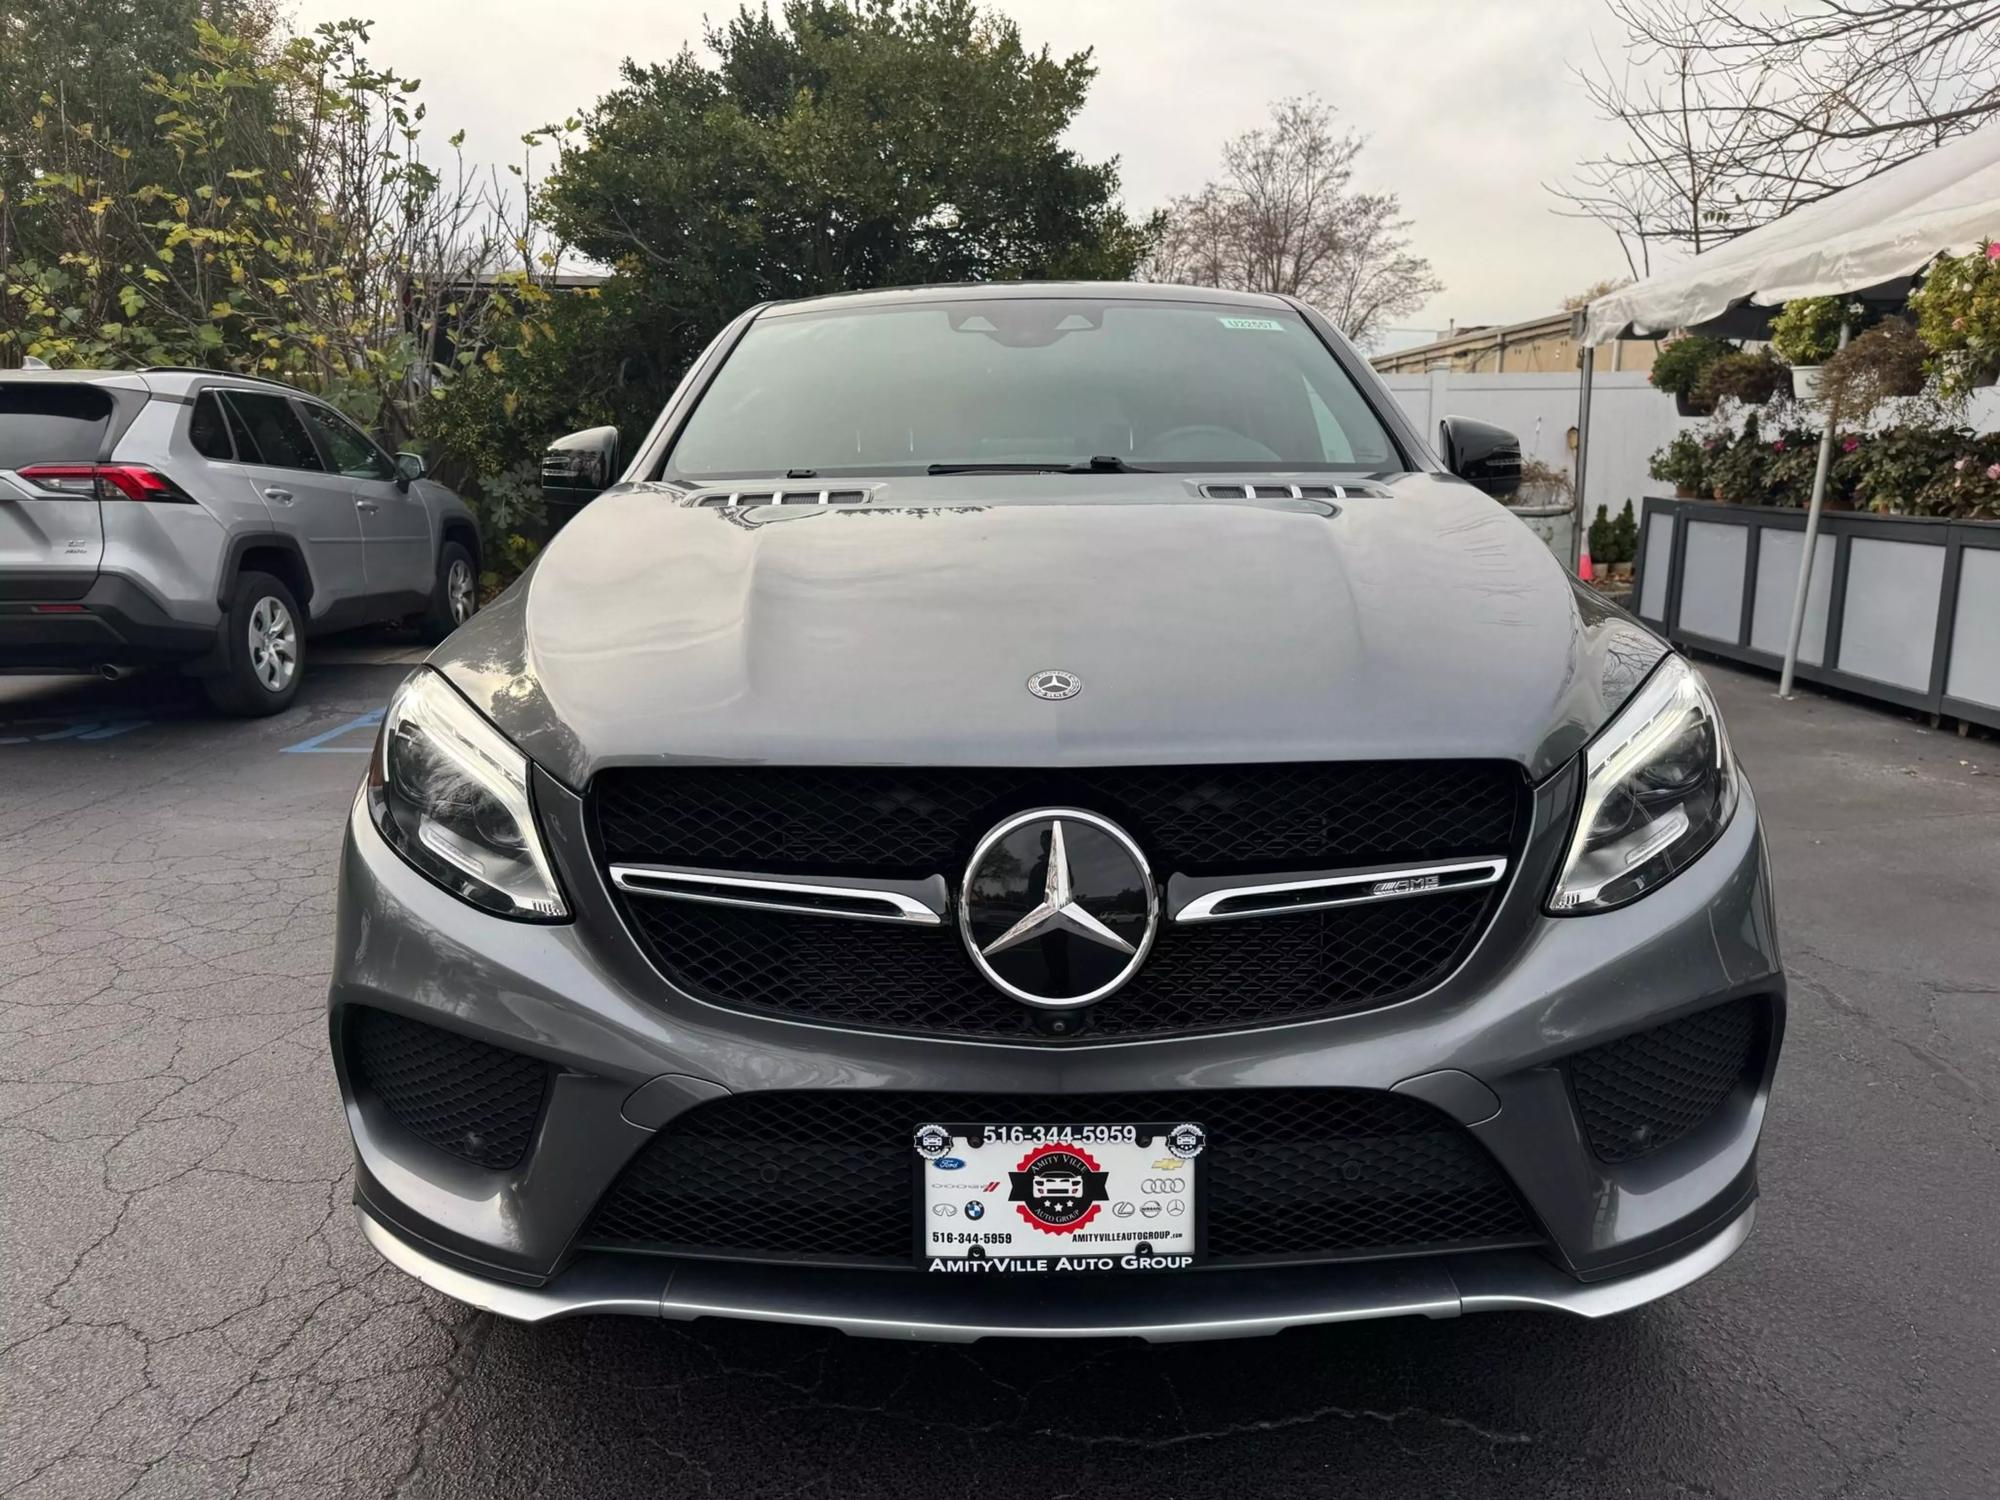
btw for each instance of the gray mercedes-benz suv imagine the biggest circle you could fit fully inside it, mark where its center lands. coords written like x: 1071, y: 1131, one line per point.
x: 210, y: 521
x: 1050, y: 810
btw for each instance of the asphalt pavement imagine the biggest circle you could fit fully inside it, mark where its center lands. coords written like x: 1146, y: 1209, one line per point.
x: 187, y: 1308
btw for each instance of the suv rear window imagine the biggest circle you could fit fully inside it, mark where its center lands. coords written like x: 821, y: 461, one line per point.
x: 48, y: 423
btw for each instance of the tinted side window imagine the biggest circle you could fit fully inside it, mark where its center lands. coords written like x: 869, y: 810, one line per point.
x: 42, y: 422
x: 280, y: 437
x: 208, y: 431
x: 354, y: 454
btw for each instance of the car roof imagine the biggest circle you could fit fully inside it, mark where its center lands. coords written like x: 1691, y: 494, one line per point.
x: 1000, y: 291
x: 164, y: 380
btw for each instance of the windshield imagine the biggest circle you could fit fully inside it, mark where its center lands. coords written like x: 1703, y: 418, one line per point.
x: 1053, y: 381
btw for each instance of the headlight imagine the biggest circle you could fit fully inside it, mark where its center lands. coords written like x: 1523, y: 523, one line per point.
x: 451, y: 796
x: 1659, y: 786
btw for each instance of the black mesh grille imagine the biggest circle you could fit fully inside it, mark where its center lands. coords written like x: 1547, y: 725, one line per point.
x: 1200, y: 977
x: 1192, y: 819
x: 1650, y: 1089
x: 1289, y: 1174
x: 473, y: 1100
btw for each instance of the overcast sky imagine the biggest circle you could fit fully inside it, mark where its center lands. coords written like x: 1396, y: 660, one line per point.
x: 1467, y: 104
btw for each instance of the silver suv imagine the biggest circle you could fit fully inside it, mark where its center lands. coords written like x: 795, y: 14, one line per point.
x: 212, y: 521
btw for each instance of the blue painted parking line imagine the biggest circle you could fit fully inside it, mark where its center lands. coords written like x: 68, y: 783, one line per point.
x: 322, y: 744
x: 70, y: 729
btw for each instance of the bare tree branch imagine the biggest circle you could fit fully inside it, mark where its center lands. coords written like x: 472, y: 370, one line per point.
x: 1284, y: 218
x: 1732, y: 113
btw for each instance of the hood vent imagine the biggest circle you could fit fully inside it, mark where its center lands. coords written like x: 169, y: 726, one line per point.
x: 738, y: 499
x: 1248, y: 491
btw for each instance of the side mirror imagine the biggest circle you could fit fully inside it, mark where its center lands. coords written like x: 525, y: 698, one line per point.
x: 576, y: 469
x: 1481, y: 454
x: 410, y: 467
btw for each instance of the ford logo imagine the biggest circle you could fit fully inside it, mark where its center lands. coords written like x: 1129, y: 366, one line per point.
x: 947, y: 1164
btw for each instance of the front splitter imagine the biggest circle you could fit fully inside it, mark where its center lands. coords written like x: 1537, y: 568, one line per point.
x: 1160, y: 1308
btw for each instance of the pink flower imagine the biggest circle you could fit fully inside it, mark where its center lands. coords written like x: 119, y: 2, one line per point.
x: 1958, y: 325
x: 1778, y: 446
x: 1960, y: 465
x: 1849, y: 444
x: 1993, y: 471
x: 1993, y: 250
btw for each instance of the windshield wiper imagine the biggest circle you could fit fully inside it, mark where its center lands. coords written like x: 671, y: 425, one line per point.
x: 1100, y: 463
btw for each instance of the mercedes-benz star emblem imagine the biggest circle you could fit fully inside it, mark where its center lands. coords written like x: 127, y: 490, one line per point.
x: 1058, y: 907
x: 1055, y: 685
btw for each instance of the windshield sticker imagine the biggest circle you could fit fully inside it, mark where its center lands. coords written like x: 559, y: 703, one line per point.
x: 1256, y: 325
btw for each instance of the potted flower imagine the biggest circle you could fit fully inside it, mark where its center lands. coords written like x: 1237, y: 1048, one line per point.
x: 1678, y: 368
x: 1683, y: 463
x: 1958, y: 317
x: 1807, y: 332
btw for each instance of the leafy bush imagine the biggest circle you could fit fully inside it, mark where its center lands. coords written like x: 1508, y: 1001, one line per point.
x: 1752, y: 379
x: 1807, y: 330
x: 1678, y: 367
x: 1683, y: 463
x: 1958, y: 316
x: 1739, y: 464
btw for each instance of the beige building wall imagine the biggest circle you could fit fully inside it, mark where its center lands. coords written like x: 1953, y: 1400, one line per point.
x: 1541, y: 346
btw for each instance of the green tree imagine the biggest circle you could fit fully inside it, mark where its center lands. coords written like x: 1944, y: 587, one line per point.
x: 842, y: 145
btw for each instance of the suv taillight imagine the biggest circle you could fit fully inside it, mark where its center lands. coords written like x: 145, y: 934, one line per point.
x: 106, y: 482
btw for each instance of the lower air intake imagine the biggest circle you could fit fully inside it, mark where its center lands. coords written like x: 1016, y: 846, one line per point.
x: 1648, y: 1090
x: 476, y: 1101
x: 1289, y: 1174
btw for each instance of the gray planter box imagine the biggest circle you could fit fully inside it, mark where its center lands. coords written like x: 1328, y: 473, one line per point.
x: 1901, y: 608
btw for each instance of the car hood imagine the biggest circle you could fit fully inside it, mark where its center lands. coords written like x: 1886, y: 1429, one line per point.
x: 1421, y: 621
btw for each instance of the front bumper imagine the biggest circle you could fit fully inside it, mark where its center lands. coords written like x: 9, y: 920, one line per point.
x: 1487, y: 1048
x: 890, y: 1304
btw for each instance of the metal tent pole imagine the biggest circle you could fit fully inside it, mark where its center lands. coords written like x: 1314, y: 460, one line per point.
x: 1582, y: 443
x: 1798, y: 624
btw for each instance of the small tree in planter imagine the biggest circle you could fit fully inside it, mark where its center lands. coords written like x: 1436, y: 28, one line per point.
x: 1601, y: 544
x: 1883, y: 364
x: 1958, y: 317
x: 1683, y: 463
x: 1753, y: 379
x: 1679, y: 366
x: 1624, y: 542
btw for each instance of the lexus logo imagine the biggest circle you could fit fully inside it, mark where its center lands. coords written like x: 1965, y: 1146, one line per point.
x: 1058, y: 907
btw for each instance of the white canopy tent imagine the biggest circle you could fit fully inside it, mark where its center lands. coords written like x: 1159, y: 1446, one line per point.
x: 1866, y: 240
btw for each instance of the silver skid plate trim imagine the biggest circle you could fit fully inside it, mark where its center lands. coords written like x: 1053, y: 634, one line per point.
x: 909, y: 1305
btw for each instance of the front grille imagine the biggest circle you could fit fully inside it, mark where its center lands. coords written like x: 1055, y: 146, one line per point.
x: 1650, y: 1089
x: 1191, y: 819
x: 476, y: 1101
x: 1288, y: 1174
x: 1199, y: 977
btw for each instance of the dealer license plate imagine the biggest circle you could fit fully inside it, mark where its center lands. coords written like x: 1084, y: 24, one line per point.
x: 999, y: 1198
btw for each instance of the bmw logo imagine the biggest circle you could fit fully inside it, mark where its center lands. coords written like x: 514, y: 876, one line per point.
x: 975, y: 1209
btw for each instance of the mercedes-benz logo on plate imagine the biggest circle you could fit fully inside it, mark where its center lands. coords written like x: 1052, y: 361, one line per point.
x: 1058, y: 907
x: 1055, y: 685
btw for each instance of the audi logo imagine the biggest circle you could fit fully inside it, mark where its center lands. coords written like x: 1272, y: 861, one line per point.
x: 1160, y: 1187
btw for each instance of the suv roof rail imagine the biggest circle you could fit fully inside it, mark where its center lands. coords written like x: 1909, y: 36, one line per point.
x: 219, y: 374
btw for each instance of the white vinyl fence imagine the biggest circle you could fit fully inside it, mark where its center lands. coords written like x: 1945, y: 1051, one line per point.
x: 1628, y: 421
